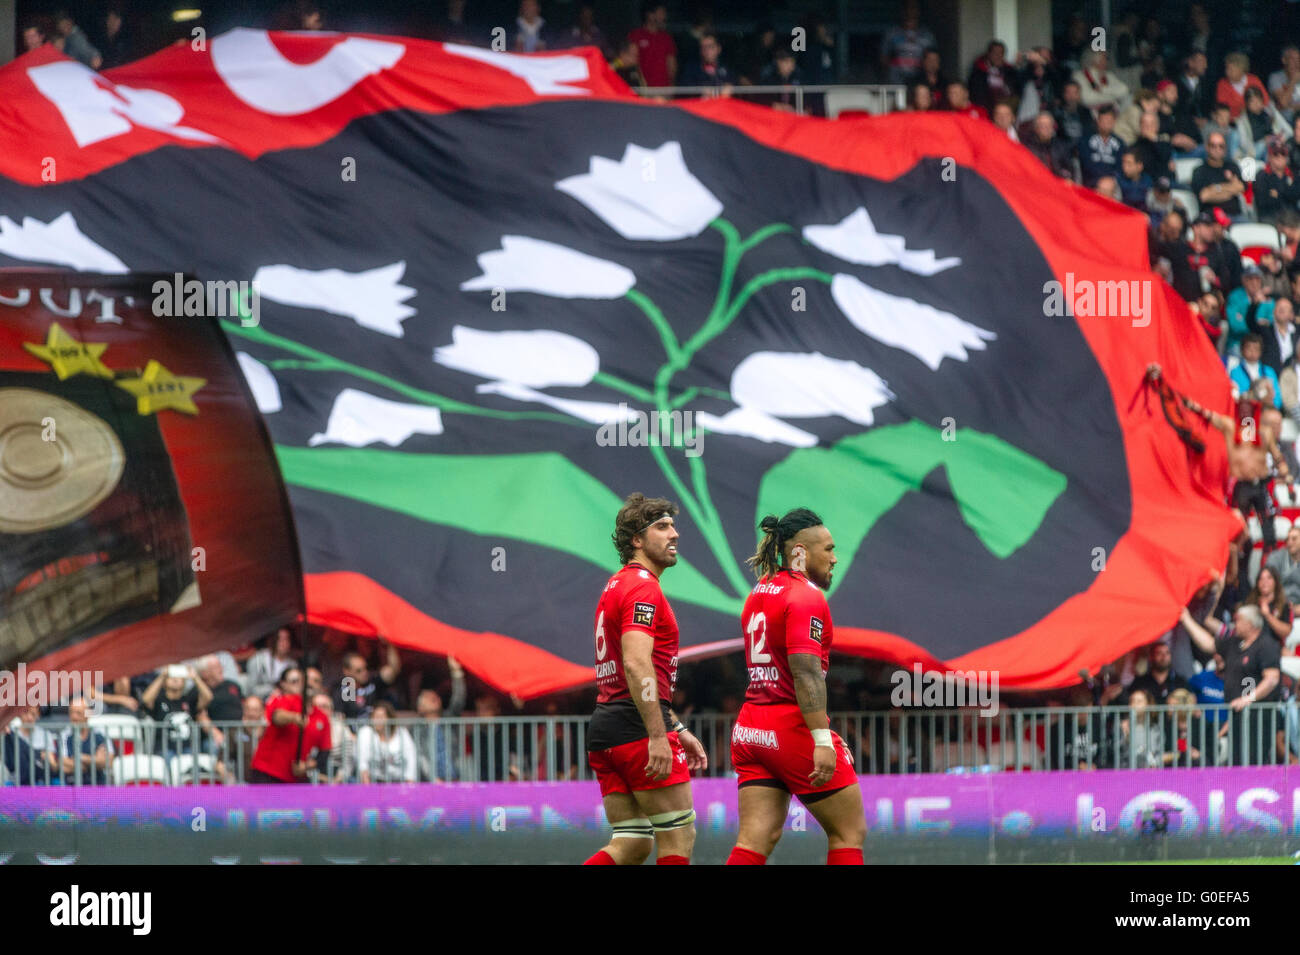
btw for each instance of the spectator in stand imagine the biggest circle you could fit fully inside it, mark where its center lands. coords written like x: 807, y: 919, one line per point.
x: 991, y: 79
x: 242, y: 745
x: 1226, y: 257
x: 817, y: 62
x: 1172, y: 250
x: 454, y: 26
x: 1160, y: 202
x: 656, y: 53
x: 299, y: 15
x: 115, y: 47
x: 1195, y: 97
x: 1004, y: 118
x: 1053, y: 151
x: 531, y: 33
x: 1276, y: 284
x: 227, y: 704
x: 121, y: 702
x: 709, y: 70
x: 340, y: 764
x: 359, y: 688
x: 1182, y: 750
x: 74, y: 42
x: 1257, y: 123
x: 1201, y: 259
x: 1251, y: 368
x: 385, y: 752
x: 490, y: 743
x: 1275, y: 188
x: 958, y: 101
x: 1217, y: 181
x: 688, y: 49
x: 37, y: 33
x: 1280, y: 343
x: 1271, y: 600
x: 1073, y: 119
x: 1157, y: 154
x: 1176, y: 124
x: 1108, y: 186
x: 1099, y: 156
x: 1284, y: 84
x: 1221, y: 122
x: 757, y: 54
x: 267, y: 665
x: 1209, y: 307
x: 1134, y: 183
x: 1288, y: 223
x: 437, y: 760
x: 625, y: 65
x: 585, y: 32
x: 1251, y: 673
x: 1208, y: 687
x: 175, y: 708
x: 1127, y: 119
x: 782, y: 71
x: 1160, y: 680
x: 1200, y: 37
x: 902, y: 47
x: 1143, y: 734
x: 83, y: 754
x: 1236, y: 79
x: 289, y: 736
x: 1070, y: 46
x: 1037, y: 83
x: 29, y: 750
x: 919, y: 99
x: 1285, y: 564
x: 1250, y: 312
x: 931, y: 75
x: 1098, y: 86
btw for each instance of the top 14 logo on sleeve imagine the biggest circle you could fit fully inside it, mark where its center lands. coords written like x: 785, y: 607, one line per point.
x: 643, y: 614
x: 815, y: 629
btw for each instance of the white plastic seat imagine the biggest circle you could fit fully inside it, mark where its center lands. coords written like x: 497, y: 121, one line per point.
x: 1183, y: 169
x: 837, y: 100
x: 124, y: 732
x: 1250, y: 234
x: 183, y: 769
x: 139, y: 770
x: 1281, y: 527
x: 1188, y: 200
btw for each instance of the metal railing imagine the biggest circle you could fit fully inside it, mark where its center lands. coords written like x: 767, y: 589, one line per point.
x: 870, y: 98
x: 470, y: 749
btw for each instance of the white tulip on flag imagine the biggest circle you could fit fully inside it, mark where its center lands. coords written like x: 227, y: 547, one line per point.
x: 648, y: 194
x: 855, y: 239
x: 808, y: 386
x: 537, y: 358
x: 924, y: 331
x: 535, y: 265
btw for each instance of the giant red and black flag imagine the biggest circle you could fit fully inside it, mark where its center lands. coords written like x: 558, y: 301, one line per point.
x: 477, y: 273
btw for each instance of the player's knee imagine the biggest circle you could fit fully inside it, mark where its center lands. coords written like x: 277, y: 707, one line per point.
x: 675, y: 828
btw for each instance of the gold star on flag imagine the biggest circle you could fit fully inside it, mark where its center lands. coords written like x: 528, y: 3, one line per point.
x: 68, y: 356
x: 158, y: 389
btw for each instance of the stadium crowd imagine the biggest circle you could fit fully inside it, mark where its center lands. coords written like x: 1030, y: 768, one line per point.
x: 1174, y: 125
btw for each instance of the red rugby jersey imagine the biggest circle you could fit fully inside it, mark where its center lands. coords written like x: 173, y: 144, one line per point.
x: 633, y: 600
x: 786, y: 613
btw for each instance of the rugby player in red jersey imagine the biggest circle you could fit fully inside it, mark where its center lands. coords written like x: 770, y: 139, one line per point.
x: 782, y: 742
x: 641, y: 753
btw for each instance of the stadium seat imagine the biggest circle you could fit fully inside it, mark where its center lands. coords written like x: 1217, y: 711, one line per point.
x: 1280, y: 492
x: 184, y: 772
x: 123, y: 732
x: 1188, y: 200
x: 1256, y: 559
x: 139, y: 770
x: 1252, y: 525
x: 1281, y: 527
x: 1254, y: 234
x: 856, y: 100
x: 1183, y: 169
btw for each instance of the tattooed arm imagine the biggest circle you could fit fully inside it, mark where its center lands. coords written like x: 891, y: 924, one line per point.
x: 810, y: 691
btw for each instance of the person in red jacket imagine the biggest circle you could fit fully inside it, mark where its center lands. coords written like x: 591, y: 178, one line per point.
x: 1236, y: 79
x: 284, y: 753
